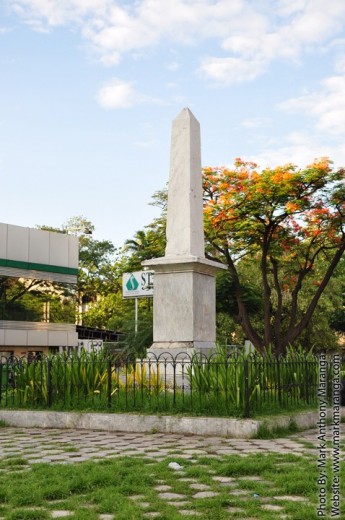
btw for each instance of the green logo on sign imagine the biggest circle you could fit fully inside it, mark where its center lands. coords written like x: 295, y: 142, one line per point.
x: 132, y: 284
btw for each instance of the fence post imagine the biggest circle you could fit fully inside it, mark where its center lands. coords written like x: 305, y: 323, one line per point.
x: 246, y: 388
x: 279, y: 384
x: 109, y: 383
x: 174, y: 382
x: 49, y: 382
x: 0, y: 381
x: 306, y: 382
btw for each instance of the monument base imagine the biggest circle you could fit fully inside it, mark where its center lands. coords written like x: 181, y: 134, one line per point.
x: 174, y: 361
x: 181, y: 349
x: 184, y: 318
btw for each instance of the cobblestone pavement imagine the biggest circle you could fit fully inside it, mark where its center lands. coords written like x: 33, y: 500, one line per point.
x: 70, y: 446
x: 57, y: 446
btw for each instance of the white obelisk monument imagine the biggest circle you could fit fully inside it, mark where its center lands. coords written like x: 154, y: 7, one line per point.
x: 184, y: 302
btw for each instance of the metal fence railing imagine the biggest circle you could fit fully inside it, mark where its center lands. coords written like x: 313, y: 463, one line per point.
x: 230, y: 386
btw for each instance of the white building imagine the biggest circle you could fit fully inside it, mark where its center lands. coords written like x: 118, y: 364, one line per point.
x: 30, y: 254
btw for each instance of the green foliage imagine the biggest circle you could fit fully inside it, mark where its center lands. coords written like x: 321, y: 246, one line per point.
x: 144, y: 246
x: 228, y: 331
x: 242, y: 378
x: 220, y: 386
x: 337, y: 317
x: 139, y: 341
x: 289, y: 224
x: 267, y: 432
x: 225, y: 294
x: 63, y: 377
x: 111, y: 312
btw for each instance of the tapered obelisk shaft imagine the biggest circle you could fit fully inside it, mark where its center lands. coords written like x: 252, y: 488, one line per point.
x: 185, y: 231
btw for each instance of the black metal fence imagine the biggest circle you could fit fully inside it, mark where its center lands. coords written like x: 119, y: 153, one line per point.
x: 234, y: 386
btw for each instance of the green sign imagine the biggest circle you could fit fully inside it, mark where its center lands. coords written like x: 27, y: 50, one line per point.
x: 132, y: 284
x: 137, y: 284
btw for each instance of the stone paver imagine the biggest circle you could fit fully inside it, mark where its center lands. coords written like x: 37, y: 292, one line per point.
x: 171, y: 496
x: 162, y: 487
x: 200, y: 487
x: 188, y: 512
x: 291, y: 498
x: 224, y: 480
x: 270, y: 507
x: 238, y: 492
x: 205, y: 494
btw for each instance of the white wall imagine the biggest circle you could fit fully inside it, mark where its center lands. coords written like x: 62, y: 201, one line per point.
x: 35, y: 246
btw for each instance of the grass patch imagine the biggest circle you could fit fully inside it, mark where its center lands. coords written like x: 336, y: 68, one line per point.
x: 3, y: 424
x: 267, y: 432
x: 28, y: 514
x: 306, y: 444
x: 70, y: 449
x: 12, y: 462
x: 88, y: 489
x: 182, y: 405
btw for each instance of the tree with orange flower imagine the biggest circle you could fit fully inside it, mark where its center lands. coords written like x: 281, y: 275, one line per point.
x: 292, y: 222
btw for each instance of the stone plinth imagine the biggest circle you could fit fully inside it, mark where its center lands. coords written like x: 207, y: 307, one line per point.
x: 183, y: 305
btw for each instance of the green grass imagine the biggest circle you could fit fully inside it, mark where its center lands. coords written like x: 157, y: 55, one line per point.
x: 182, y: 405
x: 90, y: 488
x: 266, y: 432
x: 69, y: 449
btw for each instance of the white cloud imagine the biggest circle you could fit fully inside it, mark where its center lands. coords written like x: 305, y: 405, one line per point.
x: 173, y: 66
x: 117, y: 94
x: 53, y: 13
x: 145, y: 144
x: 256, y: 122
x: 250, y: 35
x: 119, y: 27
x: 232, y: 70
x: 298, y: 148
x: 326, y: 106
x: 290, y: 30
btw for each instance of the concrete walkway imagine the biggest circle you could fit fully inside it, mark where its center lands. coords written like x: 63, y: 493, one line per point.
x: 56, y: 446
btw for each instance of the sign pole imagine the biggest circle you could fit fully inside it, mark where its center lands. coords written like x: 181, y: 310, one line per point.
x: 136, y: 315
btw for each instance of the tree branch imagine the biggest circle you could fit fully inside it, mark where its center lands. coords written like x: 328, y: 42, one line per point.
x: 294, y: 332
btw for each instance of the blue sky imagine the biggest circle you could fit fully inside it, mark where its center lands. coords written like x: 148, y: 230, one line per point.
x: 89, y: 88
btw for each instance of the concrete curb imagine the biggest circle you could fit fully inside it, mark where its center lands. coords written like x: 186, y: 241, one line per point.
x: 207, y: 426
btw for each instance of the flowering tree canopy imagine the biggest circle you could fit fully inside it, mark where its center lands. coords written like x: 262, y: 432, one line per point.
x: 292, y: 221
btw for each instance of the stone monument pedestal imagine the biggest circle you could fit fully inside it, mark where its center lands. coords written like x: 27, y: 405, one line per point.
x: 183, y: 305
